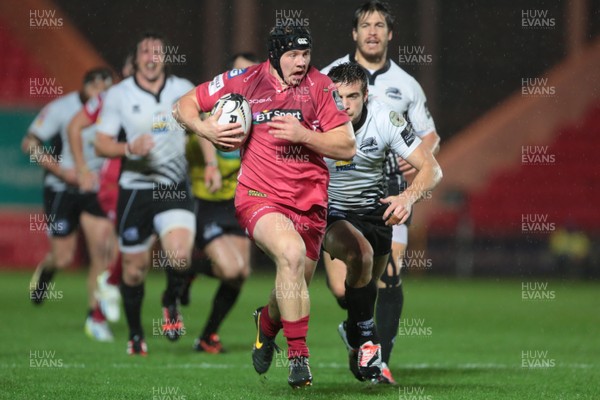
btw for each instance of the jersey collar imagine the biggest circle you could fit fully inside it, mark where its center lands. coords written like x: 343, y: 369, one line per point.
x: 363, y: 118
x: 157, y: 95
x: 275, y: 81
x: 372, y: 77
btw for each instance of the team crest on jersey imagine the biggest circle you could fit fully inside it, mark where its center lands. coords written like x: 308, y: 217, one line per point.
x: 368, y: 145
x: 396, y: 119
x: 344, y: 166
x: 393, y: 93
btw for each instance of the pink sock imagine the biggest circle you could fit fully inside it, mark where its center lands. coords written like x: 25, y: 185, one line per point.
x: 267, y: 325
x: 115, y: 271
x: 295, y: 332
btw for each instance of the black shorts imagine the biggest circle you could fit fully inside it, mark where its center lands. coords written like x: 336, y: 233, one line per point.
x: 372, y: 226
x: 137, y: 209
x: 64, y: 207
x: 214, y: 219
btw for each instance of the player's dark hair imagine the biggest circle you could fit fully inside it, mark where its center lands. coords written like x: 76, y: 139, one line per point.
x: 247, y: 55
x: 349, y: 73
x: 372, y: 6
x: 144, y: 36
x: 101, y: 73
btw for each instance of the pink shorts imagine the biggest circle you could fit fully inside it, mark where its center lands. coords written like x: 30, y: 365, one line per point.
x: 310, y: 224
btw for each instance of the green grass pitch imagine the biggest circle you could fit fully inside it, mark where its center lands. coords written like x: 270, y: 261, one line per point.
x: 477, y: 339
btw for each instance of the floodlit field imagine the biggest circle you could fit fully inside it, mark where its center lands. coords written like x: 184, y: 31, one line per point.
x: 482, y: 339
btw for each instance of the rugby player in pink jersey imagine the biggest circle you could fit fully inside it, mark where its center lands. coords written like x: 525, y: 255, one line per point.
x: 281, y: 196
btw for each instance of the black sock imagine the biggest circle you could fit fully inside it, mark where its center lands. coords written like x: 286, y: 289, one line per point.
x: 388, y: 310
x: 361, y: 305
x: 343, y: 303
x: 176, y: 282
x: 132, y: 302
x: 223, y: 301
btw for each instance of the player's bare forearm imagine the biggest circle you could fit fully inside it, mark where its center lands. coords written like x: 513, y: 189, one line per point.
x: 432, y: 142
x: 187, y: 112
x: 208, y: 151
x: 106, y: 146
x: 338, y: 143
x: 79, y: 122
x: 429, y: 175
x: 32, y: 146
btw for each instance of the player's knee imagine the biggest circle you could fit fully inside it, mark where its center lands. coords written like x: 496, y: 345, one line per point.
x: 133, y: 276
x: 63, y: 259
x: 360, y: 258
x: 292, y: 260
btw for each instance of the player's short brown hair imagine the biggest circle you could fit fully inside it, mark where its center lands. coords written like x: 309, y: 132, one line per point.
x: 348, y: 73
x: 372, y: 6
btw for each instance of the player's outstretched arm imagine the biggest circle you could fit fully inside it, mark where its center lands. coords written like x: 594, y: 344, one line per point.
x: 429, y: 175
x: 338, y: 143
x: 187, y: 112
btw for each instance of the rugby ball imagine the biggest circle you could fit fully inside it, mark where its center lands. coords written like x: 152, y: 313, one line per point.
x: 236, y: 109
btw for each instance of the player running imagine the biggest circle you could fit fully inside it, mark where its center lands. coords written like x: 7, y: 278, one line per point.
x: 68, y: 205
x: 360, y: 220
x: 107, y: 180
x: 281, y: 201
x: 219, y: 236
x: 373, y: 27
x: 153, y: 190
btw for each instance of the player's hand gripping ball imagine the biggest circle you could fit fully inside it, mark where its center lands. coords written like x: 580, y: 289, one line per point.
x: 236, y: 109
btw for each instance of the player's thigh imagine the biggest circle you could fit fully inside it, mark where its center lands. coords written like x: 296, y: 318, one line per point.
x: 227, y: 261
x: 336, y: 275
x: 99, y: 234
x: 243, y: 245
x: 343, y: 241
x: 275, y: 234
x: 63, y: 249
x: 380, y: 263
x: 176, y: 229
x: 398, y: 252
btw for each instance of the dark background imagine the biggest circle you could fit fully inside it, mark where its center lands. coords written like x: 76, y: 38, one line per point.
x: 482, y: 50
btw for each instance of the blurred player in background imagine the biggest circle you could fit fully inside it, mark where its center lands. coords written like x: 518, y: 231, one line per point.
x: 360, y: 217
x: 153, y: 189
x: 280, y: 201
x: 372, y: 30
x: 107, y: 179
x: 68, y: 205
x: 218, y: 234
